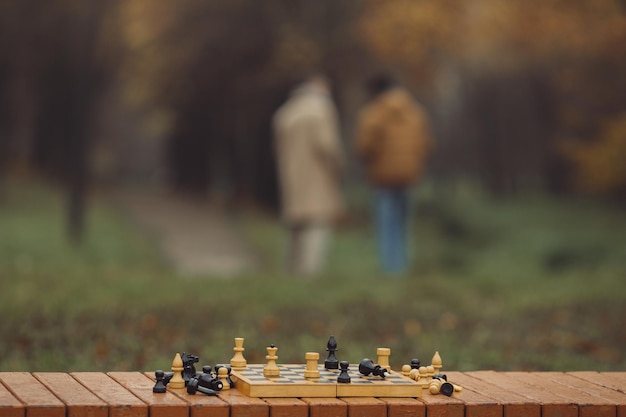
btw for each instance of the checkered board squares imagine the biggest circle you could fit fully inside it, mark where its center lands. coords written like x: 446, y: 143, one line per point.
x: 292, y: 383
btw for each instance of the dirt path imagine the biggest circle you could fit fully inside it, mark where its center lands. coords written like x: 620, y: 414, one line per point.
x: 196, y: 237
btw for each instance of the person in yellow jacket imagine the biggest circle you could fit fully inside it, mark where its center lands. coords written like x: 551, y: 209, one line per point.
x: 393, y: 140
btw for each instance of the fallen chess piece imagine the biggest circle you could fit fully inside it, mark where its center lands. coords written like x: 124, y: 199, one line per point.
x: 367, y: 367
x: 207, y: 380
x: 193, y: 386
x: 440, y: 384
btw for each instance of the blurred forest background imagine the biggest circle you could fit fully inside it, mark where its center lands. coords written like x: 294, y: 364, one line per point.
x: 526, y: 98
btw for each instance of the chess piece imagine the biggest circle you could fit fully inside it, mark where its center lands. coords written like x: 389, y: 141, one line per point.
x: 228, y: 372
x: 331, y: 347
x: 222, y: 374
x: 422, y: 376
x: 406, y: 370
x: 441, y: 385
x: 415, y: 363
x: 207, y: 380
x: 189, y: 370
x: 436, y: 363
x: 177, y: 380
x: 193, y: 386
x: 159, y: 387
x: 271, y: 369
x: 383, y: 357
x: 238, y: 362
x: 344, y: 377
x: 430, y: 371
x: 367, y: 367
x: 311, y: 370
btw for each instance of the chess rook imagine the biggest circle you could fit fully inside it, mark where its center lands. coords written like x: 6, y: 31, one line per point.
x: 311, y: 370
x: 383, y: 357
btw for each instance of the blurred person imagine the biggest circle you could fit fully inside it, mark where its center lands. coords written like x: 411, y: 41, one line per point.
x: 310, y: 165
x: 392, y: 140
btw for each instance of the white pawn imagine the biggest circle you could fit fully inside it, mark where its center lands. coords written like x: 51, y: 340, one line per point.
x: 222, y: 374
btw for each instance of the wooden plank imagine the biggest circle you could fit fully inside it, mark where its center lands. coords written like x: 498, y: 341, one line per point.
x: 588, y: 405
x: 326, y: 407
x: 9, y: 405
x: 160, y: 405
x: 201, y: 405
x: 243, y: 406
x: 287, y: 407
x: 79, y: 401
x: 121, y: 402
x: 365, y: 407
x: 39, y: 401
x: 552, y: 405
x: 612, y: 380
x: 476, y: 403
x: 443, y: 406
x: 513, y: 404
x: 404, y: 407
x: 592, y: 387
x: 618, y: 377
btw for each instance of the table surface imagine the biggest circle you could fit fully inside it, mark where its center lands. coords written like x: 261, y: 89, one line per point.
x: 485, y: 394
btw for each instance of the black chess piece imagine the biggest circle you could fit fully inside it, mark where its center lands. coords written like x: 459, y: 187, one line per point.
x: 344, y: 377
x: 189, y: 370
x: 193, y: 386
x: 366, y: 367
x: 331, y: 347
x: 415, y: 363
x: 159, y: 387
x: 168, y: 376
x: 207, y: 380
x: 446, y: 388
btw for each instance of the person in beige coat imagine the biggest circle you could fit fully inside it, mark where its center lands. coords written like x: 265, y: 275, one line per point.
x: 310, y: 163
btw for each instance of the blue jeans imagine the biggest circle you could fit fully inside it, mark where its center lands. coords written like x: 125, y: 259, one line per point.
x: 392, y: 210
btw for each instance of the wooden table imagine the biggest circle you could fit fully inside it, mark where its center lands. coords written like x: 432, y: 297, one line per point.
x: 485, y: 394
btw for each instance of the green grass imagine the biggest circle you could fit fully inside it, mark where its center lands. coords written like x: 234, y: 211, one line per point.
x: 521, y: 283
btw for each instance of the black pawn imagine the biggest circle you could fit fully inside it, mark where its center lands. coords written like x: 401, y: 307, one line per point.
x: 415, y: 363
x: 193, y: 387
x: 344, y: 377
x: 331, y: 347
x: 366, y: 367
x: 159, y: 387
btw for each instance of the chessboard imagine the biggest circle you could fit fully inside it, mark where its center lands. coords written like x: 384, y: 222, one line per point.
x: 292, y: 383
